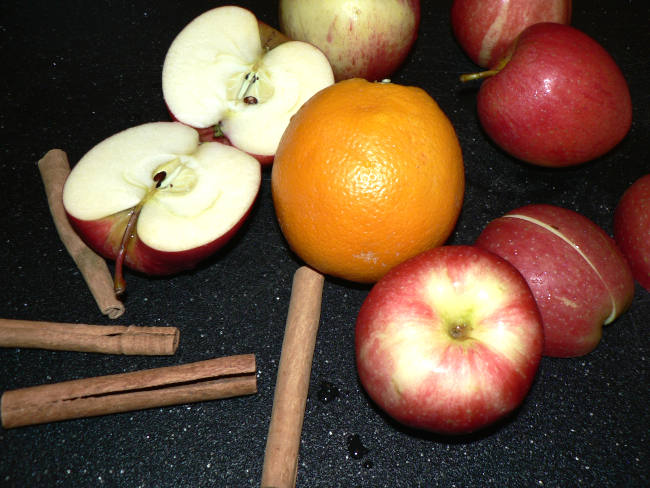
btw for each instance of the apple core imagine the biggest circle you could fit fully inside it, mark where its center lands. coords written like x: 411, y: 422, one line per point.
x: 174, y: 177
x: 220, y: 77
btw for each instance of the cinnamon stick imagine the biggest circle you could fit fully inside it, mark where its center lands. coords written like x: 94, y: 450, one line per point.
x: 107, y: 339
x: 292, y: 385
x: 173, y: 385
x: 54, y: 168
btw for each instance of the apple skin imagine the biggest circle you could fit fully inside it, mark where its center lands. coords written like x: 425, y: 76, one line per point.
x: 486, y: 28
x: 632, y: 228
x: 270, y: 36
x: 419, y: 369
x: 207, y: 135
x: 578, y: 275
x: 361, y: 38
x: 560, y: 100
x: 105, y: 235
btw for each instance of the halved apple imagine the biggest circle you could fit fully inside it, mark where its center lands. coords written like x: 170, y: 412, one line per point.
x: 157, y: 199
x: 218, y: 76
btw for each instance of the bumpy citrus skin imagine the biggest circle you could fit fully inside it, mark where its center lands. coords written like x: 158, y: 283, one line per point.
x: 366, y: 176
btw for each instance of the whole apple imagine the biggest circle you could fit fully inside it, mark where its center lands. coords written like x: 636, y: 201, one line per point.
x: 155, y: 199
x: 578, y: 275
x: 558, y: 99
x: 632, y: 228
x: 449, y: 341
x: 486, y: 28
x: 361, y: 38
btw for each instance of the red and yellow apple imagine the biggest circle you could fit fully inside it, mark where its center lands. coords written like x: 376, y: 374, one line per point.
x: 157, y: 200
x: 632, y: 228
x: 578, y: 275
x: 486, y: 28
x: 220, y: 77
x: 361, y: 38
x: 449, y: 341
x: 557, y: 99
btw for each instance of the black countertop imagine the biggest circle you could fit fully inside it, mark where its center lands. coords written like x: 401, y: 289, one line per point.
x: 76, y: 72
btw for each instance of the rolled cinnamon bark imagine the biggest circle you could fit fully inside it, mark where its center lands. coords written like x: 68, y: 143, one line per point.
x: 292, y: 385
x: 54, y: 168
x: 107, y: 339
x: 189, y: 383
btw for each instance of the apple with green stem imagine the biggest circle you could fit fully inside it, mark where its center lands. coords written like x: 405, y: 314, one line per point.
x: 449, y: 341
x: 220, y: 77
x: 361, y: 38
x: 632, y: 228
x: 578, y: 275
x: 556, y: 99
x: 155, y: 199
x: 486, y: 28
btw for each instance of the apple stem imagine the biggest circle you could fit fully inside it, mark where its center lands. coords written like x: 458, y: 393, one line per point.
x: 496, y: 69
x: 459, y: 331
x: 478, y: 76
x: 119, y: 283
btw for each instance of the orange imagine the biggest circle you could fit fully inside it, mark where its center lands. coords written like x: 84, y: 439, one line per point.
x: 367, y: 175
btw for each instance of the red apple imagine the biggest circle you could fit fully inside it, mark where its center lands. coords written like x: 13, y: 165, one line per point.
x: 361, y: 38
x: 578, y: 275
x: 632, y: 228
x: 223, y: 76
x: 486, y: 28
x: 155, y: 199
x: 449, y: 341
x: 558, y: 100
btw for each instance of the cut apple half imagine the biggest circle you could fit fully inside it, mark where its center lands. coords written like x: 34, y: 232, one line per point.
x: 157, y: 199
x: 217, y: 75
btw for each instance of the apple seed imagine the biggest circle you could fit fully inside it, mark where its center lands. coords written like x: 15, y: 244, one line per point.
x: 159, y: 177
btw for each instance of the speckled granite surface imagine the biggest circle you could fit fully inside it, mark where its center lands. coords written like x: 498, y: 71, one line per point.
x: 77, y: 72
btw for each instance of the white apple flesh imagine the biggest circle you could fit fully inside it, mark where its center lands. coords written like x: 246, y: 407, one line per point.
x: 361, y: 38
x: 188, y: 198
x: 449, y: 341
x: 217, y: 74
